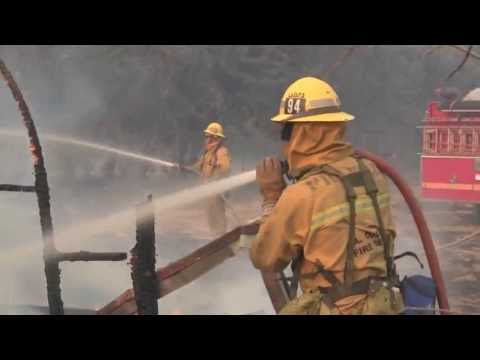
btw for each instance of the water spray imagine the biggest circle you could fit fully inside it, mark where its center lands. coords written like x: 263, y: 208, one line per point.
x: 161, y: 205
x: 95, y: 146
x: 175, y: 200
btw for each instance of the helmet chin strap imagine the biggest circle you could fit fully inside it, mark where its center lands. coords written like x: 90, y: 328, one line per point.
x: 286, y: 136
x: 287, y: 131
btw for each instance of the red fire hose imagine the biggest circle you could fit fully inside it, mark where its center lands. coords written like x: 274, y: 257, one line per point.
x: 419, y: 218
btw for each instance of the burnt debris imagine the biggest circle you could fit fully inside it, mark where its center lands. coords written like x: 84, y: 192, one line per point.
x: 144, y: 277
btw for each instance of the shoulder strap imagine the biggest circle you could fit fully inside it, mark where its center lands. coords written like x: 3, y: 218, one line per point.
x: 361, y: 178
x: 372, y: 191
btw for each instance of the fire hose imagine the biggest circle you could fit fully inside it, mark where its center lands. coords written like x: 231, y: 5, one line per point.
x: 420, y: 221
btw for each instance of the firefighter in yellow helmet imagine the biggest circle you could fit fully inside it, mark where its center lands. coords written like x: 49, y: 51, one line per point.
x: 213, y: 165
x: 334, y: 223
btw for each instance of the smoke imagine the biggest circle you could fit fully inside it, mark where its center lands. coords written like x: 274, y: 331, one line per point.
x: 156, y: 100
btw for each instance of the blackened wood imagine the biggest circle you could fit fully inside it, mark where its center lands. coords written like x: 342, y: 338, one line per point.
x: 144, y: 277
x: 18, y: 188
x: 90, y: 256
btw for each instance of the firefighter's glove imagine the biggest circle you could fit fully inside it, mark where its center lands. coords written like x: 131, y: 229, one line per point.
x: 270, y: 180
x: 187, y: 169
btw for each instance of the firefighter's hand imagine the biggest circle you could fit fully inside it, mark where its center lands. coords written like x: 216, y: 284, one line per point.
x: 187, y: 169
x: 270, y: 179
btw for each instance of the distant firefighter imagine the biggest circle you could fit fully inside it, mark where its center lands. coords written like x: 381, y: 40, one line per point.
x: 214, y: 164
x: 334, y: 223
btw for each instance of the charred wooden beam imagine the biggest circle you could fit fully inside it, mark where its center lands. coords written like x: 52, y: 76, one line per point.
x: 52, y: 270
x: 144, y: 277
x: 18, y: 188
x: 186, y: 270
x: 90, y: 256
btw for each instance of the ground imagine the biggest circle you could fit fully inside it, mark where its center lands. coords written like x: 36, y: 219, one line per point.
x: 459, y: 254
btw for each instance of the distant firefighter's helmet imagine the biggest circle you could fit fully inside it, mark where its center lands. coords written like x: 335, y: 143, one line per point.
x: 214, y: 129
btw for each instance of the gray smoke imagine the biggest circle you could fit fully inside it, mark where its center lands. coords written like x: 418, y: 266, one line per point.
x: 156, y: 100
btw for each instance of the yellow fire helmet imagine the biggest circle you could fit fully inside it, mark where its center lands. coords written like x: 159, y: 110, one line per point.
x: 214, y: 129
x: 310, y: 100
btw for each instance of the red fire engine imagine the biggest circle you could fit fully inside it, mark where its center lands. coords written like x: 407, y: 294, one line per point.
x: 450, y: 160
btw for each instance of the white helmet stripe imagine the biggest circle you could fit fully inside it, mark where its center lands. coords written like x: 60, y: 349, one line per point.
x: 319, y: 103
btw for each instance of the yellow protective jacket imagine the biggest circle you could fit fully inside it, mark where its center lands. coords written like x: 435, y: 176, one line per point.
x: 311, y: 216
x: 214, y: 163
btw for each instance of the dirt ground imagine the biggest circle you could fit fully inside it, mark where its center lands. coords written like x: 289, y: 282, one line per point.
x: 452, y: 226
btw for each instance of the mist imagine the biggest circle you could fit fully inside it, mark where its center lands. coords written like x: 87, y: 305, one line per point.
x: 156, y: 100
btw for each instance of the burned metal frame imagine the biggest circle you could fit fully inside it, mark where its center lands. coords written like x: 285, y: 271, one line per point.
x: 51, y: 256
